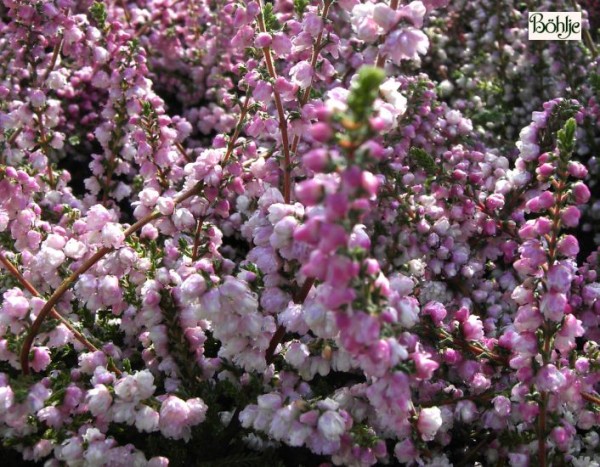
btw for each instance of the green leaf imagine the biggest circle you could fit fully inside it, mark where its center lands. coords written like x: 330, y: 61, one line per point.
x: 74, y: 140
x: 566, y: 138
x: 300, y: 7
x: 364, y: 91
x: 423, y: 160
x: 271, y: 23
x: 98, y: 13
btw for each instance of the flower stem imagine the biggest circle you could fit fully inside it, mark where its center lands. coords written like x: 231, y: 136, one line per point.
x: 55, y: 314
x: 238, y: 128
x: 280, y: 332
x: 287, y: 184
x: 313, y: 64
x: 58, y: 293
x: 380, y: 60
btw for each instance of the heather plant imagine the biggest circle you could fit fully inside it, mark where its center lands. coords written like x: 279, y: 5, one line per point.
x: 297, y: 233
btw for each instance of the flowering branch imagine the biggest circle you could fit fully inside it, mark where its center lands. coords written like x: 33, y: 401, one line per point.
x: 53, y: 313
x: 380, y: 60
x: 287, y: 184
x: 313, y: 63
x: 59, y: 292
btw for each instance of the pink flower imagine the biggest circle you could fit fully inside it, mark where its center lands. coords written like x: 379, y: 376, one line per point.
x: 263, y: 91
x: 568, y: 245
x: 384, y: 16
x: 405, y: 44
x: 364, y: 23
x: 414, y: 12
x: 581, y: 193
x: 424, y: 365
x: 97, y: 217
x: 165, y: 206
x: 408, y: 311
x: 282, y: 45
x: 559, y: 278
x: 197, y: 410
x: 301, y: 74
x: 173, y: 422
x: 473, y: 328
x: 112, y: 235
x: 98, y: 400
x: 41, y: 358
x: 262, y: 40
x: 15, y: 305
x: 570, y: 329
x: 502, y: 405
x: 405, y: 451
x: 553, y: 305
x: 549, y: 378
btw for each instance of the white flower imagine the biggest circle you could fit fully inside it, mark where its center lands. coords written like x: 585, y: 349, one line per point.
x: 331, y: 425
x: 389, y: 90
x: 430, y: 421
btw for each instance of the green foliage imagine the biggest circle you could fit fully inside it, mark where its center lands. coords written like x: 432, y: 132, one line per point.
x: 271, y: 23
x: 364, y: 91
x: 98, y: 13
x: 595, y: 82
x: 423, y: 160
x: 566, y: 138
x: 300, y: 7
x: 74, y: 140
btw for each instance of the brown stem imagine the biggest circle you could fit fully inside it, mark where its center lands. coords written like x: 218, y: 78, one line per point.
x: 542, y: 431
x: 594, y: 399
x: 125, y: 12
x: 44, y: 145
x: 197, y: 239
x: 280, y: 332
x: 313, y: 64
x: 471, y: 347
x: 148, y: 24
x: 58, y: 293
x: 15, y: 135
x: 53, y: 313
x: 587, y: 37
x: 238, y: 129
x: 379, y: 62
x: 107, y: 180
x: 281, y: 115
x: 477, y: 398
x: 182, y: 151
x: 53, y: 60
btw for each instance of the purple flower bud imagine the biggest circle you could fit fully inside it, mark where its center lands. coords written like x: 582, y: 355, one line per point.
x: 38, y: 99
x: 436, y: 310
x: 570, y: 216
x: 263, y: 40
x: 321, y: 132
x: 568, y: 246
x: 581, y: 193
x: 577, y: 169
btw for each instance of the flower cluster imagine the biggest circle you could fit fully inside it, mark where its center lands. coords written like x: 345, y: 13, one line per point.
x: 308, y: 232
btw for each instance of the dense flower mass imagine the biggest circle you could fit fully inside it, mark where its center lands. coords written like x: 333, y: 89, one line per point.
x: 307, y: 232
